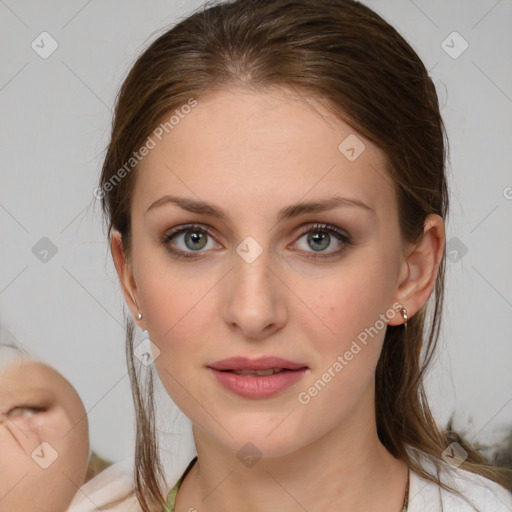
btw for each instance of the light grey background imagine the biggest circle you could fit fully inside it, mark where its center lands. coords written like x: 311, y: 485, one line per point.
x: 56, y: 115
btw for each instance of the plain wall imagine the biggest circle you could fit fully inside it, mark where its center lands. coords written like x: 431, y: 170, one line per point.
x: 56, y: 115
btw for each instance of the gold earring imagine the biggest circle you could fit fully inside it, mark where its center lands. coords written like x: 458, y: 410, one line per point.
x: 404, y: 315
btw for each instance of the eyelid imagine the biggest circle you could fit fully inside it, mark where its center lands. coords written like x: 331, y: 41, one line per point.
x: 187, y: 227
x: 322, y: 226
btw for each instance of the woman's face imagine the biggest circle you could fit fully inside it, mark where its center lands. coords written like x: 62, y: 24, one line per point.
x: 265, y: 281
x: 44, y: 441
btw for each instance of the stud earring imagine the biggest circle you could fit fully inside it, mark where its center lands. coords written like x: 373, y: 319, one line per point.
x: 139, y: 316
x: 404, y: 315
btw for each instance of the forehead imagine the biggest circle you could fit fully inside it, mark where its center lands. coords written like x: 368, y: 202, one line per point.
x: 260, y: 144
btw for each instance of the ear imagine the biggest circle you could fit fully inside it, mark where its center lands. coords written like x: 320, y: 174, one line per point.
x: 125, y: 274
x: 420, y: 268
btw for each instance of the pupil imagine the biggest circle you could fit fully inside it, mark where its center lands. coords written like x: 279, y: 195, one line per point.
x: 318, y: 238
x: 196, y: 237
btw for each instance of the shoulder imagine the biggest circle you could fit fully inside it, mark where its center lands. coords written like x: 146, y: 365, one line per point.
x: 111, y: 490
x: 478, y: 493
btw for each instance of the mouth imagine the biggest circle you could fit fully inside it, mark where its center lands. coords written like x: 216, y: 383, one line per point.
x: 257, y: 378
x: 261, y: 373
x: 269, y: 364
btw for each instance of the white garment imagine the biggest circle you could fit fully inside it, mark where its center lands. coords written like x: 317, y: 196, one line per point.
x: 115, y: 484
x: 110, y: 490
x: 483, y: 494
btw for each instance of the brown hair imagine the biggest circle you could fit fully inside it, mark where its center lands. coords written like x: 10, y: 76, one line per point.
x: 343, y: 54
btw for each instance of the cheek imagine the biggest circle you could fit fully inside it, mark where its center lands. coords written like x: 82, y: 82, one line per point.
x: 52, y: 473
x: 182, y: 313
x: 346, y: 333
x: 14, y: 461
x: 174, y: 298
x: 346, y: 303
x: 71, y: 440
x: 174, y: 319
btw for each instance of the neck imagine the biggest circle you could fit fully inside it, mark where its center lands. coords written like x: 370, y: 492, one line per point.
x: 346, y: 469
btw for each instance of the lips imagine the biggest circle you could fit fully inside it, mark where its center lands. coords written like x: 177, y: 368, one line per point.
x: 238, y: 364
x: 257, y: 378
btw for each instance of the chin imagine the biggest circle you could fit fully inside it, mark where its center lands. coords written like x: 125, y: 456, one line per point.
x: 268, y: 439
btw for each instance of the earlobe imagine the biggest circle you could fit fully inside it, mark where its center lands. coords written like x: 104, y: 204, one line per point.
x: 421, y: 268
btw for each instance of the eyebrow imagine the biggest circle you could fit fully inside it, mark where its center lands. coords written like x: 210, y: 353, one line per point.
x: 294, y: 210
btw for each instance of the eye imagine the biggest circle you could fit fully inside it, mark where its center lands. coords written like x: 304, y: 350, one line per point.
x: 184, y: 241
x: 188, y: 241
x: 24, y: 412
x: 320, y: 237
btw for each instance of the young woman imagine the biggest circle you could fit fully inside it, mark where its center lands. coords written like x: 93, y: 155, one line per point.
x: 275, y: 196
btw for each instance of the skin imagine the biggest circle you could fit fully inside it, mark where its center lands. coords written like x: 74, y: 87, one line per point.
x: 253, y: 153
x: 38, y: 405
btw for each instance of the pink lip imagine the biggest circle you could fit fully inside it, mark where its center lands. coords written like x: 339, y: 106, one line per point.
x: 257, y: 386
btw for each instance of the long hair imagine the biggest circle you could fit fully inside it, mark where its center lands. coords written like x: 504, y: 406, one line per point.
x: 346, y: 56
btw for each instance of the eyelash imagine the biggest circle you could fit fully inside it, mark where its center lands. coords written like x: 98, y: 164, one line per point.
x: 326, y: 228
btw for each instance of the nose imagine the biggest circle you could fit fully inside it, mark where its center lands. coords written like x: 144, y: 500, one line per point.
x: 256, y: 299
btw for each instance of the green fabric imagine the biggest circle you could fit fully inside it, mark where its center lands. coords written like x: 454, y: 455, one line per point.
x: 171, y: 498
